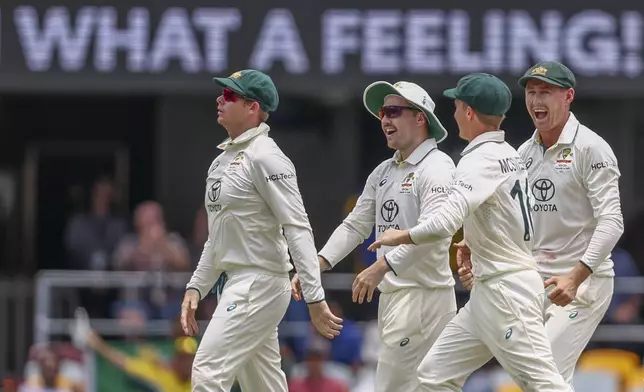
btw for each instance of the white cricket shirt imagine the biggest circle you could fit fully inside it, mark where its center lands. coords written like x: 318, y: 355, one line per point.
x: 256, y: 215
x: 489, y: 198
x: 574, y: 185
x: 399, y: 194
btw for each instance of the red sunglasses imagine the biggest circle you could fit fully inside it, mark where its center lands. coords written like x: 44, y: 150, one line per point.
x: 393, y: 111
x: 231, y: 95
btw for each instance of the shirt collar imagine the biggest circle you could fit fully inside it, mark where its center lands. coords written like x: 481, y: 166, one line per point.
x: 244, y: 137
x: 419, y: 153
x: 490, y: 136
x: 567, y: 134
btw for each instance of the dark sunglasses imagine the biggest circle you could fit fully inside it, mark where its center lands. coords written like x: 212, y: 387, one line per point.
x: 231, y: 95
x: 393, y: 111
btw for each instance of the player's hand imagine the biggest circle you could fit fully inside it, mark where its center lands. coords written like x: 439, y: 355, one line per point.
x: 464, y: 265
x: 367, y: 281
x: 327, y: 324
x: 188, y: 310
x: 296, y: 288
x: 564, y: 290
x: 391, y: 237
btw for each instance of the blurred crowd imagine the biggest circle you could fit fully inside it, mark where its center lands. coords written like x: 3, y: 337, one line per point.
x: 102, y: 240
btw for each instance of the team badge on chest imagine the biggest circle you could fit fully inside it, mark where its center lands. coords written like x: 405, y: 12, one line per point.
x: 564, y: 161
x: 236, y: 162
x: 407, y: 184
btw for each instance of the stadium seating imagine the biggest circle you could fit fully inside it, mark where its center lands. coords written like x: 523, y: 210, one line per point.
x: 635, y: 383
x: 620, y: 363
x: 599, y: 381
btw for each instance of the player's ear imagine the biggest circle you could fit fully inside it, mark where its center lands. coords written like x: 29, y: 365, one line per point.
x: 570, y: 95
x: 421, y: 119
x: 469, y: 112
x: 253, y: 106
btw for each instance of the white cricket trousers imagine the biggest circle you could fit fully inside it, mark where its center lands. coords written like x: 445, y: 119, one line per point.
x: 241, y: 339
x: 570, y: 328
x: 410, y: 321
x: 504, y: 318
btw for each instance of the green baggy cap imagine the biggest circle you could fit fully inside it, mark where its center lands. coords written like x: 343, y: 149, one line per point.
x: 485, y: 93
x: 254, y: 85
x: 551, y: 72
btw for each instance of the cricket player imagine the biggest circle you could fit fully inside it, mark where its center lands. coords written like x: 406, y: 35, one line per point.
x: 255, y: 216
x: 577, y: 214
x: 402, y: 191
x: 489, y: 198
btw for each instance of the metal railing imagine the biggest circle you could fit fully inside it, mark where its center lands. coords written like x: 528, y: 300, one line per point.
x: 54, y: 293
x: 47, y: 281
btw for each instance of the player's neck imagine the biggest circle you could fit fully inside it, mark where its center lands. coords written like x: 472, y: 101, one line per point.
x: 549, y: 136
x: 236, y: 131
x: 406, y: 152
x: 476, y: 133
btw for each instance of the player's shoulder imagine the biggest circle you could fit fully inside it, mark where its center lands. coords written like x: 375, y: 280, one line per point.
x: 588, y: 140
x: 526, y: 148
x: 491, y: 157
x: 436, y: 163
x: 263, y: 148
x: 488, y: 152
x: 381, y: 170
x: 438, y: 159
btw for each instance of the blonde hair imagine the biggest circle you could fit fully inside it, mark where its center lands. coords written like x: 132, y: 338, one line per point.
x: 490, y: 121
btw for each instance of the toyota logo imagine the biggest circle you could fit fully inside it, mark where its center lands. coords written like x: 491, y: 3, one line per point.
x: 543, y: 190
x: 389, y: 210
x: 214, y: 191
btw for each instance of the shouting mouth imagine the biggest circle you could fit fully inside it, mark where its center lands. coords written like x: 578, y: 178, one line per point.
x: 540, y: 114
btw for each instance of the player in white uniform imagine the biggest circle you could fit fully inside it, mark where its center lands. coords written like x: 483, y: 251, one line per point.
x: 255, y: 216
x: 416, y: 305
x: 577, y: 214
x: 489, y: 198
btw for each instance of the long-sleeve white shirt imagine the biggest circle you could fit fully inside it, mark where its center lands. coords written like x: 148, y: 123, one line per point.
x: 399, y: 194
x: 256, y: 215
x: 488, y: 197
x: 577, y: 211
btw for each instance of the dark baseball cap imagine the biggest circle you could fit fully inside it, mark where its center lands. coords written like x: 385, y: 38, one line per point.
x: 254, y: 85
x: 485, y: 93
x: 551, y: 72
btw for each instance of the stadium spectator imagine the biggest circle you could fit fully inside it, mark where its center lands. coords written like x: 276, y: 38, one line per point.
x: 47, y: 373
x: 92, y: 236
x: 152, y: 248
x: 152, y: 370
x: 316, y: 378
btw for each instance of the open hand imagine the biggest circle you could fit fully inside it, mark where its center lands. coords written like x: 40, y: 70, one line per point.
x: 327, y: 324
x: 368, y: 280
x: 296, y: 287
x: 188, y: 310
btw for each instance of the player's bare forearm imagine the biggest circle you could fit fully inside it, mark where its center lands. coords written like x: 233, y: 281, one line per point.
x: 324, y: 264
x: 116, y: 357
x: 580, y: 273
